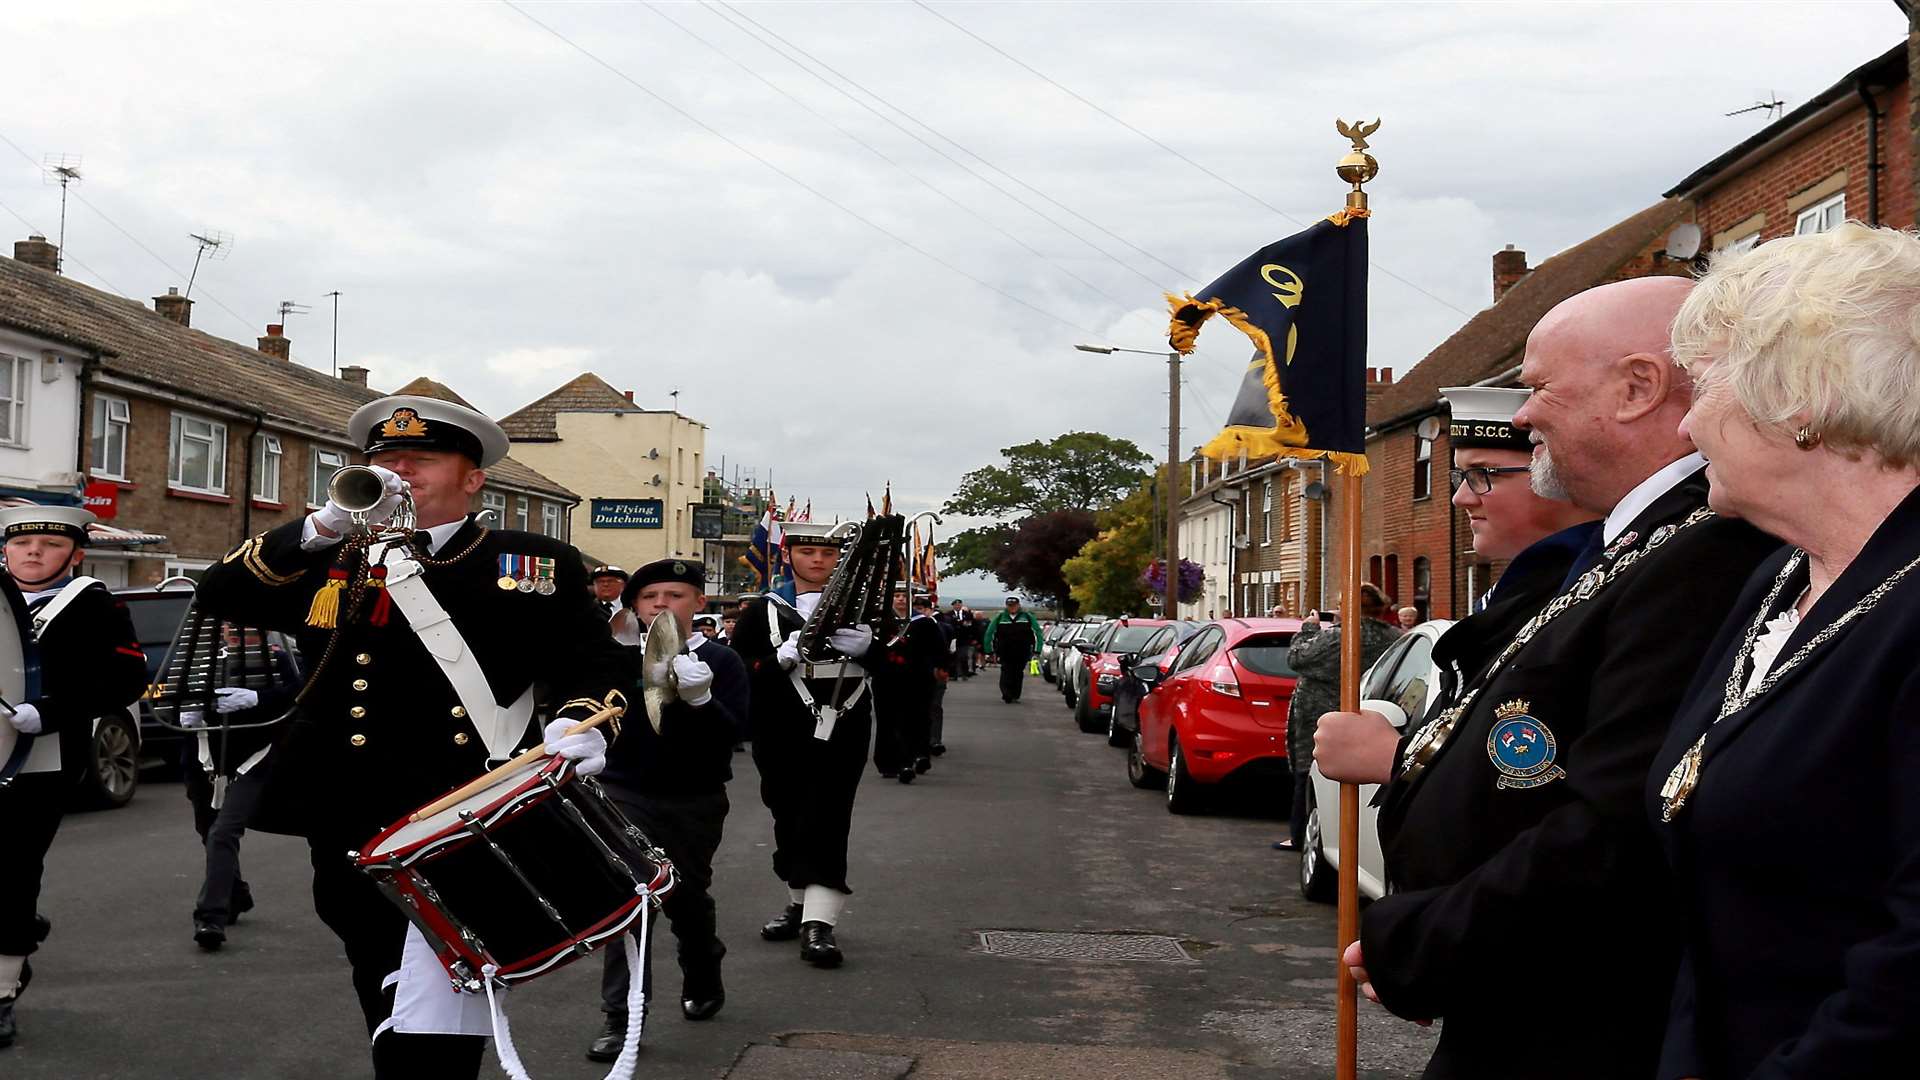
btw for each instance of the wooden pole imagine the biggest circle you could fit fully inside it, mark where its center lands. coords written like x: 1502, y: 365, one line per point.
x: 1347, y: 1020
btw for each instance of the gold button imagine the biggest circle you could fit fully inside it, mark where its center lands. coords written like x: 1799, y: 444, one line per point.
x: 358, y: 740
x: 459, y: 711
x: 357, y: 712
x: 359, y: 684
x: 460, y: 738
x: 363, y: 659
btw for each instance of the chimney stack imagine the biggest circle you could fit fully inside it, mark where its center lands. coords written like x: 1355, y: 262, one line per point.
x: 1378, y: 379
x: 276, y: 343
x: 35, y: 251
x: 1509, y: 267
x: 355, y: 374
x: 174, y: 307
x: 629, y: 394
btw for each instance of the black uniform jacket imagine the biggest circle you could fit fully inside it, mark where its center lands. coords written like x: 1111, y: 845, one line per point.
x: 1537, y: 920
x: 1468, y: 646
x: 91, y: 664
x: 1797, y: 858
x: 779, y: 716
x: 692, y: 753
x: 381, y: 731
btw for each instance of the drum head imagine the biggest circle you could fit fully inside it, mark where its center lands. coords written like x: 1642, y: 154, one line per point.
x: 408, y: 833
x: 14, y: 637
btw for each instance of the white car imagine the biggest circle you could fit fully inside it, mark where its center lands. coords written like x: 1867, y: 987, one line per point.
x: 1402, y: 684
x: 1070, y: 656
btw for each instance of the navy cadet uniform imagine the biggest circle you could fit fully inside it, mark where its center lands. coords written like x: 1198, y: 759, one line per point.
x: 807, y: 782
x: 903, y: 689
x: 380, y: 731
x: 90, y: 665
x: 672, y: 783
x: 1530, y: 909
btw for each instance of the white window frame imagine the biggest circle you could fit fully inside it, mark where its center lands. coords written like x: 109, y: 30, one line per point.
x: 1743, y: 245
x: 100, y: 435
x: 190, y: 568
x: 316, y: 484
x: 496, y: 502
x: 1422, y: 467
x: 551, y: 520
x: 268, y: 457
x: 216, y: 440
x: 13, y: 400
x: 522, y: 514
x: 1815, y: 218
x: 1266, y: 513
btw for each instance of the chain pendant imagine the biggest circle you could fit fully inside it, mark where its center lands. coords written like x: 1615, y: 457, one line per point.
x: 1682, y: 780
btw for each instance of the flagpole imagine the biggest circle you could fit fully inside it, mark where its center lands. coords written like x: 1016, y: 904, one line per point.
x: 1356, y: 168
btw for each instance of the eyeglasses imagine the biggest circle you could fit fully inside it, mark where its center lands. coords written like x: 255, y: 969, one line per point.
x: 1480, y: 480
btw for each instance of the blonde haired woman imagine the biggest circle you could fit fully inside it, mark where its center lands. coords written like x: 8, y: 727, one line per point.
x: 1788, y: 793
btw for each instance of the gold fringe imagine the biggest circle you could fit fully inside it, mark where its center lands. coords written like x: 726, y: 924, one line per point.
x: 325, y: 612
x: 1341, y: 217
x: 1267, y: 443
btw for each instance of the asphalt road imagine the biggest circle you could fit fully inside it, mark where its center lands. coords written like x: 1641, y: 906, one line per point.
x: 1024, y: 825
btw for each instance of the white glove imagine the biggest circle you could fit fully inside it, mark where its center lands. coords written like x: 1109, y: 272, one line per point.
x: 331, y: 518
x: 25, y: 720
x: 789, y: 651
x: 852, y: 642
x: 233, y: 699
x: 588, y: 750
x: 695, y: 679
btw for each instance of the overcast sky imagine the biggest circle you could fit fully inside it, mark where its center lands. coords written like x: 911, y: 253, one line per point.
x: 501, y: 211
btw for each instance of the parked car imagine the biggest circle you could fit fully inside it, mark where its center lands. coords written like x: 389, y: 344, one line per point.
x: 1101, y: 672
x: 1123, y: 719
x: 1061, y: 631
x: 1073, y: 660
x: 1220, y: 710
x: 1401, y: 685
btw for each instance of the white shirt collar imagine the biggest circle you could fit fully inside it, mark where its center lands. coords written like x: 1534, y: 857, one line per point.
x: 1648, y: 490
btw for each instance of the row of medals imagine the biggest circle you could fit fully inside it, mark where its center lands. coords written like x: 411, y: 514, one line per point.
x: 544, y: 586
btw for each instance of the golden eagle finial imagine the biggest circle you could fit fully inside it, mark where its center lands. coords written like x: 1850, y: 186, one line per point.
x: 1357, y: 132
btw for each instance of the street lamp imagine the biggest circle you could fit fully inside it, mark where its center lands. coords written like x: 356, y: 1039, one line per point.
x: 1171, y: 608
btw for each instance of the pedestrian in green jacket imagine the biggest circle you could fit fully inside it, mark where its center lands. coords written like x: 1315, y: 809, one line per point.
x: 1013, y: 635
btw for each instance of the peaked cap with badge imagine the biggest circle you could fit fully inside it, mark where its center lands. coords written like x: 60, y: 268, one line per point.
x: 1483, y: 417
x: 35, y: 520
x: 409, y: 422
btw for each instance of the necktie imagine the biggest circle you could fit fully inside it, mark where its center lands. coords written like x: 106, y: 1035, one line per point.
x: 1588, y: 558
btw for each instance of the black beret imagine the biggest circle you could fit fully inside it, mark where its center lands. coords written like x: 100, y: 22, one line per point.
x: 685, y: 571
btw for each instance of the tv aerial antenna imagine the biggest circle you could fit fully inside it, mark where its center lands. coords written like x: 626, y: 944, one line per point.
x: 62, y: 169
x: 288, y: 307
x: 213, y: 245
x: 1772, y: 104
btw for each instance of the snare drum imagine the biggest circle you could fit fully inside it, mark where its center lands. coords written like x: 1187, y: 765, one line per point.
x: 527, y: 875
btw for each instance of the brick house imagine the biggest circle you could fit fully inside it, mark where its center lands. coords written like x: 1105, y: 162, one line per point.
x: 1256, y: 527
x: 200, y: 439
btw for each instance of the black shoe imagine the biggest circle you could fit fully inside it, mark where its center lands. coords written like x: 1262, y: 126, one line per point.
x: 607, y: 1045
x: 817, y: 946
x: 922, y: 764
x: 7, y: 1029
x: 907, y: 775
x: 784, y: 926
x: 938, y: 749
x: 42, y: 926
x: 701, y: 998
x: 208, y: 935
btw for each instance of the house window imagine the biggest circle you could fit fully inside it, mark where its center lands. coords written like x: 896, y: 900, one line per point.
x: 14, y: 371
x: 1744, y: 244
x: 1286, y: 507
x: 266, y: 467
x: 495, y: 504
x: 111, y: 418
x: 550, y: 520
x: 1391, y: 586
x: 1266, y: 513
x: 1823, y: 216
x: 1422, y: 467
x: 520, y: 517
x: 195, y: 569
x: 1422, y: 585
x: 325, y: 464
x: 197, y: 455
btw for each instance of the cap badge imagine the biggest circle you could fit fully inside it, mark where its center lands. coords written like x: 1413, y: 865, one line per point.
x: 1521, y: 748
x: 405, y: 423
x: 679, y: 568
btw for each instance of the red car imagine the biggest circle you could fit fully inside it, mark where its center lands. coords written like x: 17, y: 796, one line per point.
x: 1101, y: 672
x: 1220, y: 710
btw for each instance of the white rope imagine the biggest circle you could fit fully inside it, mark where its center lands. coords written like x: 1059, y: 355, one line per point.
x: 629, y: 1059
x: 502, y: 1035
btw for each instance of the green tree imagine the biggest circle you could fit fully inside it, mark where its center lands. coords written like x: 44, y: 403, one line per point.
x: 1081, y: 470
x: 1105, y: 576
x: 1032, y: 560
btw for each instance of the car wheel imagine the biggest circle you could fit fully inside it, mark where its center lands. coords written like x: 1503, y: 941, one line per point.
x: 1183, y: 794
x: 1319, y: 882
x: 1084, y: 717
x: 1066, y: 691
x: 1116, y: 735
x: 1139, y: 773
x: 113, y: 773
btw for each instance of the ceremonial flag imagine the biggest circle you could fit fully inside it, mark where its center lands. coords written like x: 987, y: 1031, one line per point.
x: 765, y: 556
x: 806, y: 514
x: 870, y: 512
x: 930, y: 574
x: 1303, y: 302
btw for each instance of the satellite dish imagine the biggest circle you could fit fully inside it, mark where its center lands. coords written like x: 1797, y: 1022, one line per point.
x: 653, y: 454
x: 1429, y: 428
x: 1314, y: 491
x: 1684, y: 241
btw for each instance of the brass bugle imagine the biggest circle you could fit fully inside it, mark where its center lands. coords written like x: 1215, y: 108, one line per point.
x: 356, y: 488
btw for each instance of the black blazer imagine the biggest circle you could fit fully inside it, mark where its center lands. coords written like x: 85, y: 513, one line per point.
x: 692, y: 753
x: 340, y: 777
x: 1797, y: 858
x: 1537, y: 920
x: 91, y: 664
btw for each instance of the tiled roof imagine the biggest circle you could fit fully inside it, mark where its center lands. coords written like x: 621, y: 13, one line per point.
x: 135, y: 342
x: 1491, y: 342
x: 585, y: 393
x: 425, y: 387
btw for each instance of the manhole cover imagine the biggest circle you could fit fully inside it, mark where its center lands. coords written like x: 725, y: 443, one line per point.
x: 1050, y: 945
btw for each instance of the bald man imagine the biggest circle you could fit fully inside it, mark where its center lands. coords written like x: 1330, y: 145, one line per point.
x: 1531, y: 909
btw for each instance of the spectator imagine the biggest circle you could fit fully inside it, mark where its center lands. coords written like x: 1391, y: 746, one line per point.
x: 1315, y: 654
x: 1409, y: 618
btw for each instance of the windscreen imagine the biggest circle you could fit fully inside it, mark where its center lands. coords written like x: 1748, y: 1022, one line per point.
x: 1265, y: 654
x: 1130, y: 638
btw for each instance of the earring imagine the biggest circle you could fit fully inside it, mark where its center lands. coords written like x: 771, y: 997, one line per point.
x: 1806, y: 438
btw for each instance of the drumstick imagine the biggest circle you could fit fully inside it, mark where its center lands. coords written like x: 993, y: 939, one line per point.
x: 481, y: 783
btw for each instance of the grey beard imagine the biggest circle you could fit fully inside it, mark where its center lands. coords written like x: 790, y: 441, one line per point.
x: 1544, y: 478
